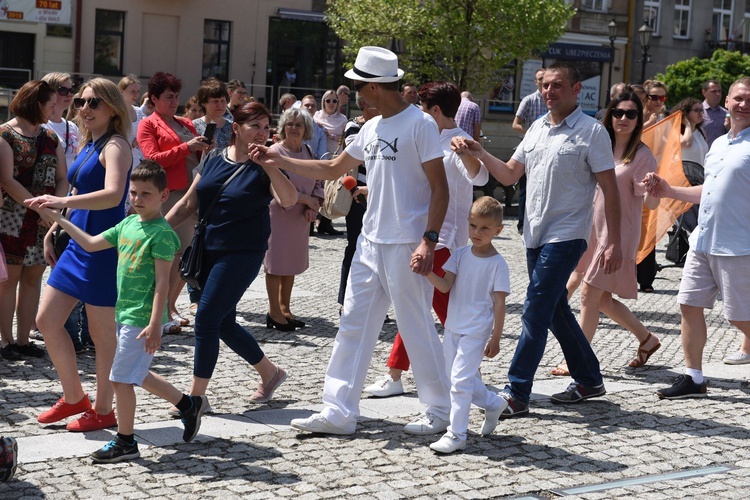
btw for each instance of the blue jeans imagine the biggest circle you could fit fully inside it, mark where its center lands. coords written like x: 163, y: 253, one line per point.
x: 546, y: 308
x: 231, y: 274
x: 77, y: 325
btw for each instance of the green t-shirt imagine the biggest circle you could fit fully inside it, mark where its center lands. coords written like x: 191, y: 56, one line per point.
x: 138, y: 245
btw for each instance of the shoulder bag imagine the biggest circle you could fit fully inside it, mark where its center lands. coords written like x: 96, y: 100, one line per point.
x: 193, y: 267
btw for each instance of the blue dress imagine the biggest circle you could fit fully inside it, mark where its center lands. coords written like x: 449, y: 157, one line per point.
x: 89, y: 277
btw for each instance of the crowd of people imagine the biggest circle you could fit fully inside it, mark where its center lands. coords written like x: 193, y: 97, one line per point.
x: 99, y: 184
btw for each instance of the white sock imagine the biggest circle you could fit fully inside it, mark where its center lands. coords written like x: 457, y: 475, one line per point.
x: 696, y: 375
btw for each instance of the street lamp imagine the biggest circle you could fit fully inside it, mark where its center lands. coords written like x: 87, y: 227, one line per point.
x: 612, y: 27
x: 644, y: 35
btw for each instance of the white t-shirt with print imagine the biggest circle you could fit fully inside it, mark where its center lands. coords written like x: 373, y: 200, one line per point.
x: 471, y: 307
x: 393, y: 150
x: 68, y: 137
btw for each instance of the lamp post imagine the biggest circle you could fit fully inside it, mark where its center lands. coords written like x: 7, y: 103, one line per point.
x: 644, y: 35
x: 612, y: 27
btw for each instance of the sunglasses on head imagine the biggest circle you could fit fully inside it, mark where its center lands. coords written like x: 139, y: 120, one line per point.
x: 631, y: 114
x: 660, y: 98
x: 65, y: 91
x: 93, y: 102
x: 329, y: 101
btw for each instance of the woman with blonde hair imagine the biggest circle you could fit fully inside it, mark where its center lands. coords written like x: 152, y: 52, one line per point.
x: 31, y: 164
x: 66, y: 130
x: 100, y: 175
x: 130, y: 87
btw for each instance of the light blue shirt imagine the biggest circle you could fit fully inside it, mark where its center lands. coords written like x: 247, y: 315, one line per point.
x: 724, y: 217
x: 318, y: 141
x: 560, y: 163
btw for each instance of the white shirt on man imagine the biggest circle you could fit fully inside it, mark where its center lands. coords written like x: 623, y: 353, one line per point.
x: 394, y: 149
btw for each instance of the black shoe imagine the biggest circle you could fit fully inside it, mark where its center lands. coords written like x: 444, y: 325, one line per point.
x: 191, y: 419
x: 328, y: 229
x: 578, y: 392
x: 29, y: 349
x: 296, y: 323
x: 282, y: 327
x: 387, y: 320
x: 312, y: 229
x: 116, y: 450
x: 683, y: 387
x: 9, y: 352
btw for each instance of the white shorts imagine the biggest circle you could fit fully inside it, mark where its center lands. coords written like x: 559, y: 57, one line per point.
x: 131, y: 362
x: 705, y: 275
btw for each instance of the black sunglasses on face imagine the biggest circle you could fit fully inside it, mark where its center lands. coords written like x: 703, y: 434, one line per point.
x: 358, y: 86
x: 329, y: 101
x: 631, y: 114
x: 65, y: 91
x: 93, y: 102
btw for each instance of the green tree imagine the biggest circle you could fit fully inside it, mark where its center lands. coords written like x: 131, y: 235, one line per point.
x: 685, y: 78
x: 466, y: 41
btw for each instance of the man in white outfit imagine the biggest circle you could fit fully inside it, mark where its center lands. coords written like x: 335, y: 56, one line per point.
x: 407, y: 200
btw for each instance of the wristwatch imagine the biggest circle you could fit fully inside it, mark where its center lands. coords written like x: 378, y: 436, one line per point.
x: 431, y: 236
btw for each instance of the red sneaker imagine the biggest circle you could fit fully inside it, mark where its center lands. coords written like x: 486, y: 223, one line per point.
x: 63, y: 410
x: 92, y: 421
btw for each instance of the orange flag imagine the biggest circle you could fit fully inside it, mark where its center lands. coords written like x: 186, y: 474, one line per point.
x: 663, y: 138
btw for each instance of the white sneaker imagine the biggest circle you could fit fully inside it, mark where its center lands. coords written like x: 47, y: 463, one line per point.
x: 426, y: 424
x: 737, y: 358
x: 448, y: 444
x: 319, y: 424
x: 491, y: 417
x: 385, y: 387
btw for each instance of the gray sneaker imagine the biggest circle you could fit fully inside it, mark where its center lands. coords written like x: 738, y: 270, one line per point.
x: 426, y: 424
x: 737, y: 358
x: 317, y: 423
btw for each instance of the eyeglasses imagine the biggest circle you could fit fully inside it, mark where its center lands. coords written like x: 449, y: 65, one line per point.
x: 699, y: 111
x: 65, y: 91
x: 294, y: 125
x: 631, y: 114
x: 658, y: 98
x: 93, y: 102
x: 329, y: 101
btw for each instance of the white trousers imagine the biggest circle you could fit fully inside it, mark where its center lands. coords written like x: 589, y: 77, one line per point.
x: 463, y: 355
x: 380, y: 275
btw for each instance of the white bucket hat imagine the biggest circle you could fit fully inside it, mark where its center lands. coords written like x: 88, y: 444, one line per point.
x: 375, y: 64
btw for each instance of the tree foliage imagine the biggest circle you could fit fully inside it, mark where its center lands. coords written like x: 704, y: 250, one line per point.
x: 685, y: 78
x: 466, y: 41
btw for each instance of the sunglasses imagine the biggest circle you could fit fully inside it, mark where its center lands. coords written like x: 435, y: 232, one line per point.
x: 65, y: 91
x: 358, y: 86
x: 631, y: 114
x: 659, y: 98
x: 93, y: 102
x: 329, y: 101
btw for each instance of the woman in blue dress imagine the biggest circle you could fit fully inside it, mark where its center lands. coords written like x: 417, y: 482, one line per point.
x: 100, y: 174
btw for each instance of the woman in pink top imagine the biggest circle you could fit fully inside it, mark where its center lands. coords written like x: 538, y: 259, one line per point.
x: 633, y: 160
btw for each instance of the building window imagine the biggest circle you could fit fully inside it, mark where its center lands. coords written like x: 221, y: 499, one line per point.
x: 746, y: 24
x: 681, y: 19
x: 722, y: 19
x: 216, y: 49
x: 651, y: 12
x: 596, y: 5
x: 109, y: 35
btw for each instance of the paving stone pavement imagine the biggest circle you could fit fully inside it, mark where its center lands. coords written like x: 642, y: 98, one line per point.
x: 246, y: 451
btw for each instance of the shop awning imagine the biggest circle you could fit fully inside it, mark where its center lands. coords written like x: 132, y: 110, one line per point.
x: 302, y: 15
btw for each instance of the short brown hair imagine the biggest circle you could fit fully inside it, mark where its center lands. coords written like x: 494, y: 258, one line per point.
x: 150, y: 171
x: 26, y: 103
x: 211, y: 88
x: 488, y: 207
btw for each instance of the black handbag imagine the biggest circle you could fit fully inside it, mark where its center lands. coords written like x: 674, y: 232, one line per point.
x: 60, y: 238
x: 193, y: 268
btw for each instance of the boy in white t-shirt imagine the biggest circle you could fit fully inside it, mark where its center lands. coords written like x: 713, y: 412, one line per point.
x: 478, y: 279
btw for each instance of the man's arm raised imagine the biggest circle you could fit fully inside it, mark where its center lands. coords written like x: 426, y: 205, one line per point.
x: 507, y: 173
x: 312, y: 169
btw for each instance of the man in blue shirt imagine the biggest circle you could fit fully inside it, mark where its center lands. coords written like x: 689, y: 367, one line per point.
x: 719, y: 255
x: 714, y: 115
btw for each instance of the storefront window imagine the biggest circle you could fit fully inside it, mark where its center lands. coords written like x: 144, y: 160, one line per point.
x: 109, y: 38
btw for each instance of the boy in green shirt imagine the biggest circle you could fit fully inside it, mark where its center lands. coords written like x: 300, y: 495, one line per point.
x: 146, y: 245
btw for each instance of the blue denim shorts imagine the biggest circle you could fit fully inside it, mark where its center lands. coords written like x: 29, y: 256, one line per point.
x: 132, y: 362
